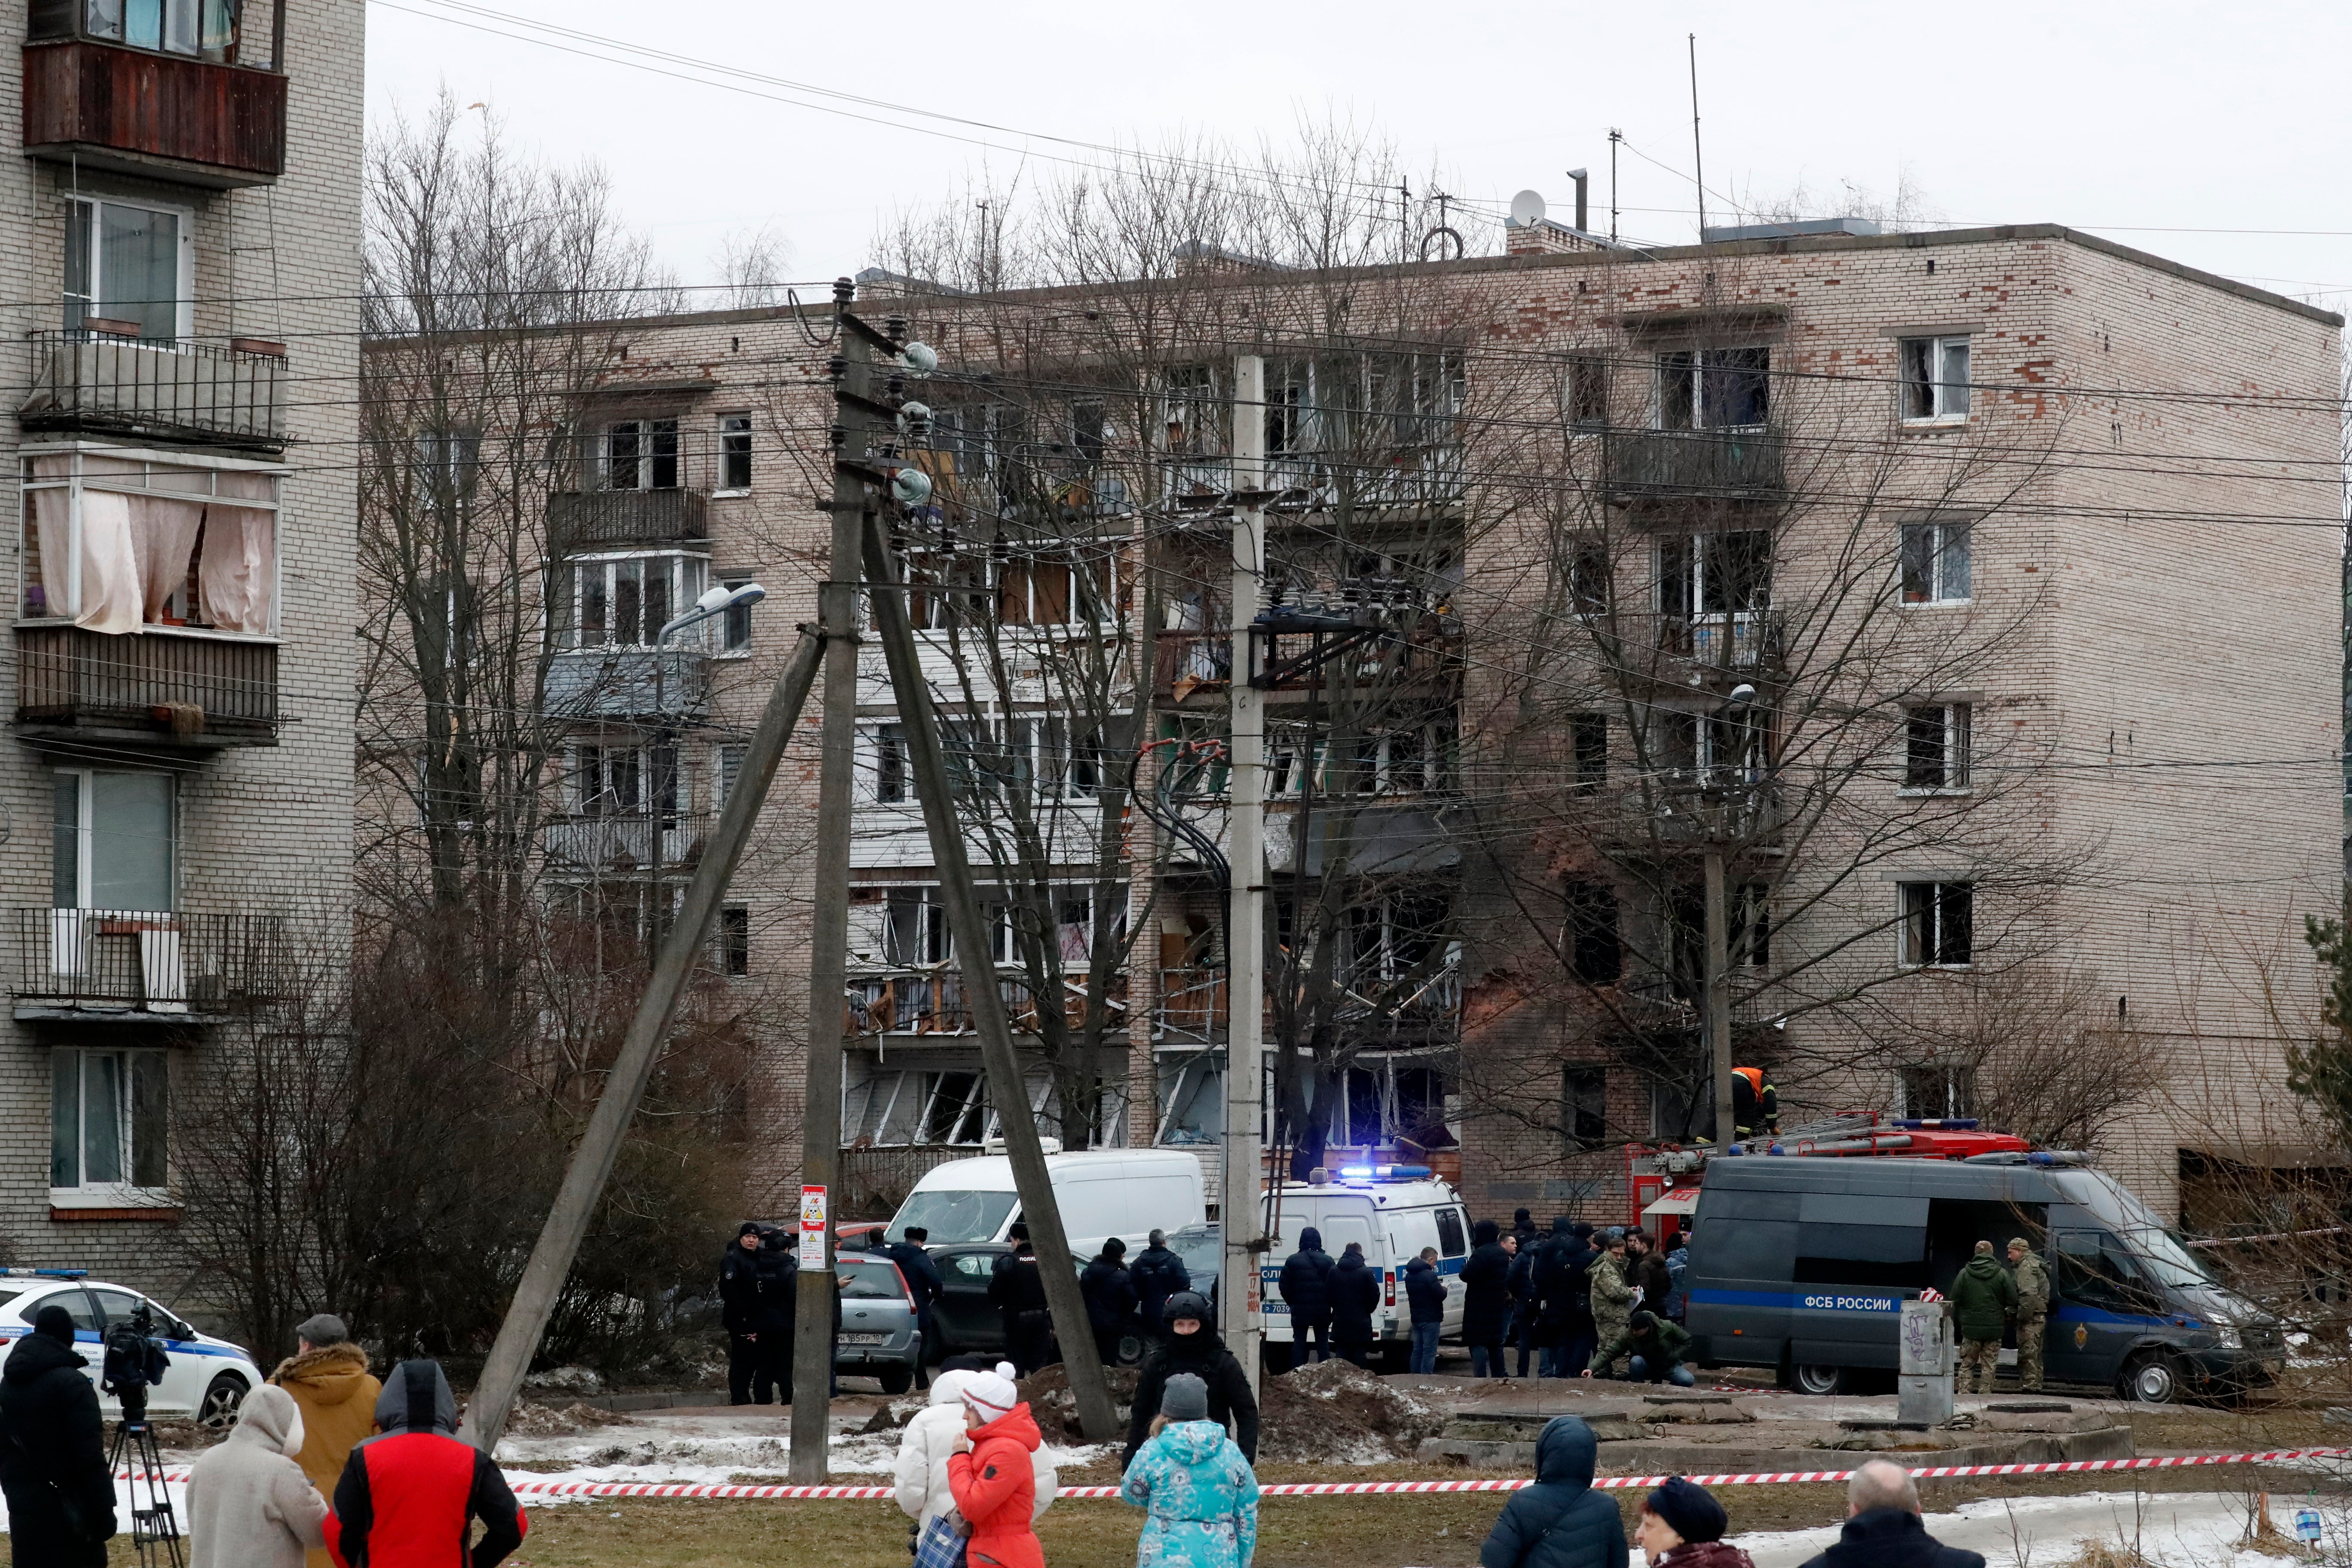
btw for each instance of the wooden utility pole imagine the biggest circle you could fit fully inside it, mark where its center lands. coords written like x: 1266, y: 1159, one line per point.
x: 1241, y: 1169
x: 813, y: 1346
x: 969, y: 931
x: 600, y: 1146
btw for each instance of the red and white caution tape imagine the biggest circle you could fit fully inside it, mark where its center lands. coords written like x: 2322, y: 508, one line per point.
x: 534, y: 1486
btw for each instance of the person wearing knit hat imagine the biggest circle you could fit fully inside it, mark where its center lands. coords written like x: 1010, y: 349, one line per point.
x: 53, y: 1466
x: 1195, y: 1485
x: 994, y: 1483
x: 1682, y: 1527
x: 329, y: 1381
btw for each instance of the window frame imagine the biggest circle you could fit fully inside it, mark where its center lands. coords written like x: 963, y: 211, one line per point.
x: 1952, y: 541
x: 184, y: 304
x: 689, y: 575
x: 1584, y: 1092
x: 1687, y: 383
x: 645, y: 462
x: 1955, y: 723
x: 86, y: 836
x: 80, y: 480
x: 734, y: 443
x: 1926, y: 905
x: 1926, y: 388
x: 130, y: 1191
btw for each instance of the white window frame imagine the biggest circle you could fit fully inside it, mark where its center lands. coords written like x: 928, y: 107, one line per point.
x: 1928, y: 897
x: 729, y: 431
x: 1928, y: 398
x: 86, y: 837
x: 690, y: 576
x: 84, y: 1193
x: 645, y: 458
x: 1950, y: 558
x: 1957, y: 721
x: 185, y: 284
x: 1672, y: 364
x: 582, y: 802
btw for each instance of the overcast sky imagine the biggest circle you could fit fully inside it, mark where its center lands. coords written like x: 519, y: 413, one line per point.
x: 2213, y: 134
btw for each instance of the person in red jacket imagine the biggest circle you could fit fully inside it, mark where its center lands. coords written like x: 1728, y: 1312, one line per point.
x: 995, y: 1485
x: 408, y: 1496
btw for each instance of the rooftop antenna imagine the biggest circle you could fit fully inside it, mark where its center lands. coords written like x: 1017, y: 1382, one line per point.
x: 1699, y: 164
x: 1615, y: 136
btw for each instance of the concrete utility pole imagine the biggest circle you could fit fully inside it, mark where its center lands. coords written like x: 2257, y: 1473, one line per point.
x: 812, y: 1347
x: 1718, y: 1012
x: 968, y: 929
x: 592, y: 1162
x: 1241, y: 1167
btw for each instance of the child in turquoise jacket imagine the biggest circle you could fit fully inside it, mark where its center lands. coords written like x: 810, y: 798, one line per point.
x: 1199, y: 1494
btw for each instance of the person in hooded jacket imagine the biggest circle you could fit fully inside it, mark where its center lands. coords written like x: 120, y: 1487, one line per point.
x: 1192, y: 1346
x: 329, y: 1379
x: 1983, y: 1297
x: 402, y: 1492
x: 1523, y: 1226
x: 993, y: 1483
x: 934, y: 1436
x: 1883, y: 1527
x: 1424, y: 1296
x: 1527, y: 1322
x: 1681, y: 1526
x: 1109, y: 1288
x: 53, y: 1451
x: 1198, y: 1492
x: 779, y: 1278
x: 249, y: 1504
x: 1486, y: 1299
x: 1355, y: 1296
x: 739, y: 1313
x: 1560, y: 1521
x: 1306, y: 1285
x: 1158, y: 1274
x: 1017, y: 1289
x: 1564, y: 1298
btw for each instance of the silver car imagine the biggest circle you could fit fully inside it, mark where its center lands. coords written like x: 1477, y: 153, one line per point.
x: 878, y: 1337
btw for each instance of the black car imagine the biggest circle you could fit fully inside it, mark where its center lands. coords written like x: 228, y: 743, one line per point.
x: 967, y: 1319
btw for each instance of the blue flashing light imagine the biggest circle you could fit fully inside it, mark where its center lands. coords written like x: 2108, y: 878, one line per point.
x: 46, y: 1273
x: 1776, y: 1149
x: 1385, y: 1173
x: 1364, y: 1170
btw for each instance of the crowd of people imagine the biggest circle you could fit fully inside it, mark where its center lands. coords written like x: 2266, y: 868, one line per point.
x: 326, y: 1465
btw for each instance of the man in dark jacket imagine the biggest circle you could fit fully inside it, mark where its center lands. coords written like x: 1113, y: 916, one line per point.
x: 1984, y: 1296
x: 1485, y: 1298
x: 1355, y: 1296
x: 925, y: 1286
x: 405, y: 1492
x: 1655, y: 1350
x: 1424, y: 1293
x: 1527, y: 1325
x: 1110, y: 1291
x: 1883, y: 1529
x: 1018, y: 1292
x: 1306, y: 1285
x: 1192, y: 1346
x: 1523, y: 1227
x: 739, y: 1312
x: 1564, y: 1298
x: 1645, y: 1270
x: 1158, y: 1274
x: 1560, y: 1521
x: 53, y: 1451
x: 780, y: 1299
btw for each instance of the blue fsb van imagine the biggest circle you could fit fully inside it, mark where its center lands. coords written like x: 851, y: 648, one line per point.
x: 1802, y: 1265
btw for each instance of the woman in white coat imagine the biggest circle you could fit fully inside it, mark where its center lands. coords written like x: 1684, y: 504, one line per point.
x: 249, y: 1505
x: 936, y: 1431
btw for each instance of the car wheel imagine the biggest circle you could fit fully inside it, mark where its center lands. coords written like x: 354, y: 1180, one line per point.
x: 217, y: 1410
x: 1809, y: 1377
x: 1132, y: 1349
x: 897, y: 1378
x: 2152, y: 1378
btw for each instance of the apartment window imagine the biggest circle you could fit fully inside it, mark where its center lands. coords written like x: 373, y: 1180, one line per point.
x: 1583, y: 1108
x: 128, y: 263
x: 1938, y: 920
x: 627, y: 781
x: 1936, y: 562
x: 205, y: 28
x: 1286, y: 409
x: 1195, y: 413
x: 1714, y: 574
x: 1934, y: 1091
x: 890, y: 764
x: 735, y: 940
x: 954, y: 1108
x: 1748, y: 925
x: 113, y: 841
x: 735, y: 452
x: 641, y: 455
x: 1937, y: 747
x: 118, y: 543
x: 108, y: 1115
x: 1407, y: 759
x: 1588, y: 393
x: 735, y: 624
x: 1934, y: 380
x: 915, y: 926
x: 1588, y: 736
x: 1596, y: 953
x: 1588, y: 578
x: 726, y: 767
x: 1713, y: 389
x: 625, y: 601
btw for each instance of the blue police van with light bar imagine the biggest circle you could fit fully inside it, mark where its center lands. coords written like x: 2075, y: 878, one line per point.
x: 1802, y: 1265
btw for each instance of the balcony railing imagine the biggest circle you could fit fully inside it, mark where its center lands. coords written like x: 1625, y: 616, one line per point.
x: 158, y: 964
x: 1194, y: 1001
x: 231, y: 394
x: 1190, y: 659
x: 593, y: 520
x: 1404, y: 476
x: 1695, y: 465
x: 932, y: 1002
x: 626, y: 683
x: 109, y: 106
x: 1741, y: 640
x: 182, y: 688
x: 624, y: 843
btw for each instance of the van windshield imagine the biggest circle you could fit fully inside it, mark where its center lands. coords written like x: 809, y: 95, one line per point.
x: 2166, y: 1261
x: 952, y: 1217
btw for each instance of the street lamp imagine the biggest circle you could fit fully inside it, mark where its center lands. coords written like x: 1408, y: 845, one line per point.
x: 715, y: 601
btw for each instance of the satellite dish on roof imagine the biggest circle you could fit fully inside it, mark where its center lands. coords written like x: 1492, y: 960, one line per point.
x: 1527, y: 209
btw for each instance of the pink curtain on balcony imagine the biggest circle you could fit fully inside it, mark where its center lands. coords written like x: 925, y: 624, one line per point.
x: 236, y: 578
x: 162, y: 536
x: 135, y: 550
x: 110, y: 596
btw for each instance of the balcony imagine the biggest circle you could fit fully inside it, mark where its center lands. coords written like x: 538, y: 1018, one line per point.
x: 932, y: 1002
x: 1648, y: 466
x: 1193, y: 1003
x: 624, y: 843
x: 156, y: 687
x: 599, y: 519
x: 1741, y: 640
x: 148, y: 966
x: 668, y: 685
x: 222, y: 395
x: 105, y: 106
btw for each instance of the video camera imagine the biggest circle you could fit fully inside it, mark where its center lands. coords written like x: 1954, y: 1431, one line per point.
x: 134, y: 1360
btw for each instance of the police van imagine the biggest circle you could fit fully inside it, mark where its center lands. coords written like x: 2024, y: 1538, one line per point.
x: 1803, y: 1264
x: 1393, y: 1211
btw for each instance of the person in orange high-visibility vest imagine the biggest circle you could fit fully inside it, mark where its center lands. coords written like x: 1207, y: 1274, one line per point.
x: 1753, y: 1096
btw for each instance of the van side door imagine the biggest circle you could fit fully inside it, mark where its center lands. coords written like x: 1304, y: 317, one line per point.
x: 2103, y: 1307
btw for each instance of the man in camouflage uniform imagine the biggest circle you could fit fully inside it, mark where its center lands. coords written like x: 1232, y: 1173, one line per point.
x: 2033, y: 1310
x: 1612, y: 1295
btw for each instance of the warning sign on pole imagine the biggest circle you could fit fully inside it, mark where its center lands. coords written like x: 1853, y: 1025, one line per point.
x: 811, y: 1227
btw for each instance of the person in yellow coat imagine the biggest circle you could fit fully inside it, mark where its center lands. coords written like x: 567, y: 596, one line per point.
x: 328, y: 1376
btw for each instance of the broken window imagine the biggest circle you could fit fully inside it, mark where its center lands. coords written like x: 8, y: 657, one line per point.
x: 1936, y: 562
x: 735, y: 452
x: 1588, y: 578
x: 1596, y: 951
x: 1588, y: 393
x: 1714, y: 574
x: 1589, y: 742
x: 1937, y: 1091
x: 1934, y: 379
x: 1583, y: 1108
x: 1938, y: 925
x: 640, y: 455
x: 1936, y: 748
x: 1713, y: 389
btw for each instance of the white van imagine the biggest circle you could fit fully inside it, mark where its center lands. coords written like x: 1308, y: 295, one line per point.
x: 1393, y: 1211
x: 1102, y: 1193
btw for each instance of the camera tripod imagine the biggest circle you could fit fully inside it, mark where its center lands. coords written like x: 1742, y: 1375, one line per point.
x: 154, y: 1527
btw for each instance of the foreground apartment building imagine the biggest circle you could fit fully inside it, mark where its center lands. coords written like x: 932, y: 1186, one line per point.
x: 1969, y: 597
x: 181, y: 200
